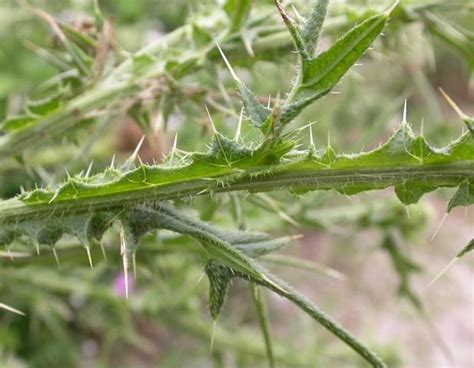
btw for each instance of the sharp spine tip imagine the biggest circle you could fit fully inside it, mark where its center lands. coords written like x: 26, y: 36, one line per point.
x: 89, y: 256
x: 405, y: 108
x: 231, y: 70
x: 239, y: 125
x: 214, y: 130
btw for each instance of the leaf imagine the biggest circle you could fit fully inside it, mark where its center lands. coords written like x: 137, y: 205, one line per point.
x: 219, y: 280
x: 468, y: 248
x: 237, y: 10
x: 46, y: 105
x: 295, y: 32
x: 312, y: 29
x: 464, y: 196
x: 451, y: 35
x: 256, y: 112
x: 318, y: 76
x: 15, y: 122
x: 404, y: 267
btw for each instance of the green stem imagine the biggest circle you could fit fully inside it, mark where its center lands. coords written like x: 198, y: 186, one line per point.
x: 257, y: 180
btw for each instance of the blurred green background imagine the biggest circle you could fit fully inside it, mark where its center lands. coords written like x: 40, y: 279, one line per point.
x: 77, y: 317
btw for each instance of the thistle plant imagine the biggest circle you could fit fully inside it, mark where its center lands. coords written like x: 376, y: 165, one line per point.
x: 136, y: 198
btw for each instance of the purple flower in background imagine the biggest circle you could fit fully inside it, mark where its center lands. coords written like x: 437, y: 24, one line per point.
x: 120, y: 286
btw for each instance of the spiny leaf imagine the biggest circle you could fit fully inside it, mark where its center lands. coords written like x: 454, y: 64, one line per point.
x: 311, y: 31
x: 295, y: 32
x: 464, y: 196
x: 219, y: 280
x: 256, y: 112
x: 80, y: 59
x: 468, y: 248
x: 318, y: 76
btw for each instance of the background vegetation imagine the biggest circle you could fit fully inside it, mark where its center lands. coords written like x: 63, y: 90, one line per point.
x: 366, y: 259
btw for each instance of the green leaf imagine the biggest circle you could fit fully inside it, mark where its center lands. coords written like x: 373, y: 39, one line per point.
x: 451, y: 35
x: 219, y: 280
x: 45, y: 105
x: 464, y: 196
x: 468, y: 248
x: 237, y: 10
x: 256, y: 112
x: 311, y: 31
x: 15, y: 122
x: 295, y: 32
x: 318, y: 76
x: 404, y: 267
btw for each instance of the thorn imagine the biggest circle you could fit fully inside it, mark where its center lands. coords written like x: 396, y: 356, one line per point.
x: 297, y: 14
x: 443, y: 271
x: 125, y: 273
x: 407, y: 210
x: 55, y: 254
x: 248, y: 46
x: 232, y: 72
x: 137, y: 149
x: 214, y: 130
x: 112, y: 162
x: 89, y: 168
x: 37, y: 248
x: 123, y: 253
x: 134, y: 265
x: 200, y: 279
x: 89, y: 257
x: 11, y: 309
x: 467, y: 120
x: 391, y: 8
x: 22, y: 190
x: 102, y: 248
x: 329, y: 139
x: 272, y: 283
x: 9, y: 253
x: 173, y: 149
x: 140, y: 160
x: 404, y: 120
x: 455, y: 107
x: 296, y: 237
x: 269, y: 102
x: 311, y: 139
x: 55, y: 195
x: 239, y: 125
x: 213, y: 334
x: 439, y: 226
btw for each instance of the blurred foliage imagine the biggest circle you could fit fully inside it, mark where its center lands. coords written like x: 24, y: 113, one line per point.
x: 77, y: 317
